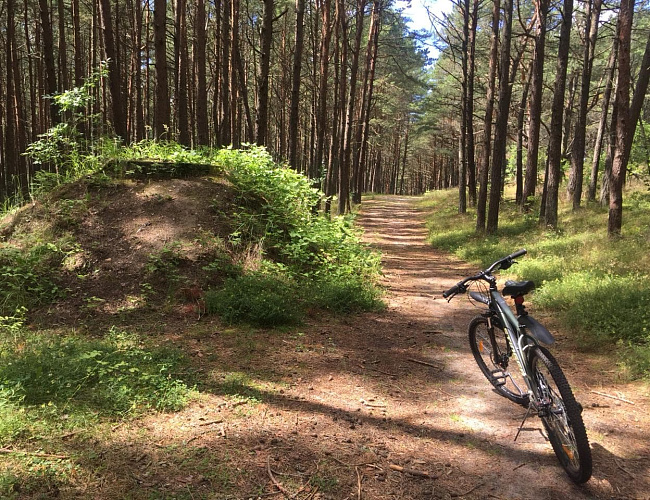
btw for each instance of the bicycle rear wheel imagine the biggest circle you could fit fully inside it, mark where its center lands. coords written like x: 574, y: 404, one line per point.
x: 561, y: 414
x: 493, y: 356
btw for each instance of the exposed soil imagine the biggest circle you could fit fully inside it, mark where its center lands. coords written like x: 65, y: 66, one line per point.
x: 333, y: 409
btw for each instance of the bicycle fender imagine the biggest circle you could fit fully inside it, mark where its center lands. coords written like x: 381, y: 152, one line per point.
x: 536, y: 329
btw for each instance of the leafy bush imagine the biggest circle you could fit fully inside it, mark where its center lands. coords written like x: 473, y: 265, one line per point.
x: 257, y: 298
x: 319, y: 259
x: 346, y: 294
x: 27, y: 276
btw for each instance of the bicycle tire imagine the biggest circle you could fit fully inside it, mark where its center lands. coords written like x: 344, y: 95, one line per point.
x: 494, y: 364
x: 561, y: 415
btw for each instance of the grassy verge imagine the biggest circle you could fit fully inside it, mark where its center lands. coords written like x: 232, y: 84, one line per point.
x: 598, y: 288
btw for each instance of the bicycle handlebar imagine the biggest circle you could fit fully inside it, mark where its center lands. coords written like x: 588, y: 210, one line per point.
x: 503, y: 263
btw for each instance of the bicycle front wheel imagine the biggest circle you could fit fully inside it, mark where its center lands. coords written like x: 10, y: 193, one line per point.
x: 494, y: 357
x: 561, y: 414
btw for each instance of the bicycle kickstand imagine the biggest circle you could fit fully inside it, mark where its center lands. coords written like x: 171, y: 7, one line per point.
x: 523, y: 421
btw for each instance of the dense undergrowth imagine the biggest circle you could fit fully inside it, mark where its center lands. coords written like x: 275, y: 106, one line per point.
x: 597, y: 288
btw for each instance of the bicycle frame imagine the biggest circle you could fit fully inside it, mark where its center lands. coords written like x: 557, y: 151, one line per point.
x: 519, y: 341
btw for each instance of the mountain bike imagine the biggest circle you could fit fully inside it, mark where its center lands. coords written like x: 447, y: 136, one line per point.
x: 498, y: 336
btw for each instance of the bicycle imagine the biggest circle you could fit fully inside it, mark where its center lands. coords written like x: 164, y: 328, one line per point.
x: 497, y: 336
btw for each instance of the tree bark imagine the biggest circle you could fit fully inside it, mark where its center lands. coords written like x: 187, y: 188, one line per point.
x: 202, y: 131
x: 265, y: 64
x: 578, y: 150
x: 114, y: 78
x: 295, y: 85
x: 501, y: 129
x: 602, y: 126
x: 323, y: 76
x: 163, y: 108
x: 555, y: 139
x: 489, y: 110
x: 622, y: 103
x: 48, y: 57
x: 344, y: 179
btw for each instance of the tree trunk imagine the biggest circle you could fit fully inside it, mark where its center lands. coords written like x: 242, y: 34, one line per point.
x: 469, y: 143
x: 623, y: 126
x: 535, y: 116
x: 163, y: 109
x: 602, y: 126
x: 555, y: 139
x: 181, y: 58
x: 489, y: 109
x: 578, y: 150
x: 202, y: 131
x: 114, y: 79
x: 521, y: 116
x: 373, y: 40
x: 48, y: 57
x: 501, y: 129
x: 323, y: 76
x: 265, y: 64
x: 63, y: 51
x: 344, y: 179
x: 295, y: 85
x: 78, y: 53
x: 640, y: 91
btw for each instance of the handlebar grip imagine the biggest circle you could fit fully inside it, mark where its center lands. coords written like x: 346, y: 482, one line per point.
x: 452, y: 291
x: 518, y: 253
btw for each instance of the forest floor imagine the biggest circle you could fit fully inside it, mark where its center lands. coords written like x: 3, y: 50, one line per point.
x: 387, y: 405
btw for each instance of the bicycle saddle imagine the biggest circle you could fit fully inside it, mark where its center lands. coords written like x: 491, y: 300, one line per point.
x: 514, y: 288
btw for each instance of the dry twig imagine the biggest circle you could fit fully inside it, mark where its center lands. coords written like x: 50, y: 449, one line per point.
x: 412, y: 472
x: 275, y: 481
x: 424, y: 363
x: 454, y: 495
x: 358, y: 483
x: 614, y: 397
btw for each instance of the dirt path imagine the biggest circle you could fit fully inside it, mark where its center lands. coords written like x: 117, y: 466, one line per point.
x: 330, y: 411
x: 458, y: 419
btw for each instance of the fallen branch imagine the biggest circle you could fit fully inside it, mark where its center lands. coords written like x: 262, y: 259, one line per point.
x: 275, y: 481
x: 6, y: 451
x: 373, y: 405
x: 358, y: 483
x: 614, y: 397
x: 211, y: 423
x: 454, y: 495
x: 424, y: 363
x: 412, y: 472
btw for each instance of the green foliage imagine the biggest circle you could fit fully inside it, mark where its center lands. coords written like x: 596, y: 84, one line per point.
x: 27, y: 276
x: 320, y: 260
x: 259, y: 299
x: 114, y: 376
x: 64, y: 146
x: 598, y: 288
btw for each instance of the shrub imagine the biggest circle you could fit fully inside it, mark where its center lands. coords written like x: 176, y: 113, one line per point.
x: 258, y: 299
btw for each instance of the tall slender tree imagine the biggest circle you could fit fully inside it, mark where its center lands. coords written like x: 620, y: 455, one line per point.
x: 622, y: 105
x: 501, y: 129
x: 489, y: 111
x: 555, y: 140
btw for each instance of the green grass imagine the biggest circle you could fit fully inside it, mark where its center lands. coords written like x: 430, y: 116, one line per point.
x: 597, y: 288
x: 45, y: 376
